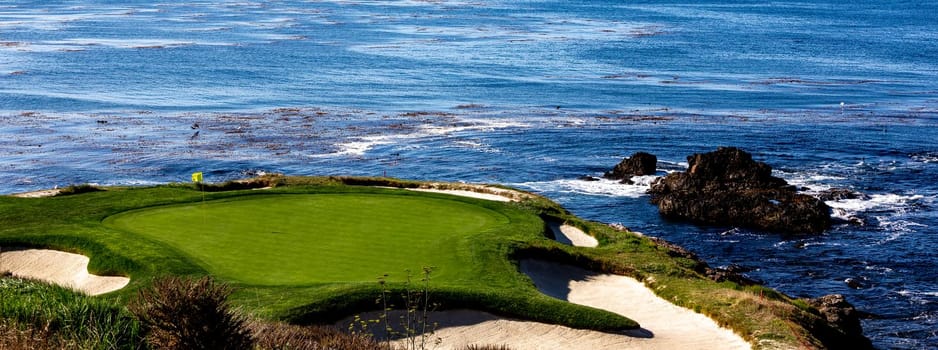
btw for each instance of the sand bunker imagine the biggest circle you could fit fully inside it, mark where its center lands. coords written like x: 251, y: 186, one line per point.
x: 61, y: 268
x: 38, y: 194
x: 664, y: 325
x: 458, y: 328
x: 670, y: 326
x: 465, y: 193
x: 571, y: 235
x: 475, y: 191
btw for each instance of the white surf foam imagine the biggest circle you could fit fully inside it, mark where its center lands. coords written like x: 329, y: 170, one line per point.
x: 896, y: 229
x: 359, y: 146
x: 876, y: 202
x: 601, y: 187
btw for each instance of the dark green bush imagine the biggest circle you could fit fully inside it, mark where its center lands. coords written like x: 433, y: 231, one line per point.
x: 190, y: 314
x: 265, y: 181
x: 78, y: 189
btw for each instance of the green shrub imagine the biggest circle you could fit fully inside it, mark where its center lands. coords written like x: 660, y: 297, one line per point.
x: 272, y: 180
x: 190, y: 314
x: 78, y: 189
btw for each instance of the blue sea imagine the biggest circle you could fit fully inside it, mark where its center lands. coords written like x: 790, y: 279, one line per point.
x: 532, y: 94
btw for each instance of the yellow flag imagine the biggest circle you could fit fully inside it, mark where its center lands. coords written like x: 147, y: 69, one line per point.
x: 197, y: 177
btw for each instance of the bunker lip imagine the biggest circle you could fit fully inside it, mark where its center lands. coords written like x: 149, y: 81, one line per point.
x: 68, y: 270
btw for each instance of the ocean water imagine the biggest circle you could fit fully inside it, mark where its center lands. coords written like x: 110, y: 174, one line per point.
x: 534, y: 94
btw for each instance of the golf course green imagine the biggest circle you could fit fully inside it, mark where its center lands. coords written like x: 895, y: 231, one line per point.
x: 314, y: 250
x: 313, y: 238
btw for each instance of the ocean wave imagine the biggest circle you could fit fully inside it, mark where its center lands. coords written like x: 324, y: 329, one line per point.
x: 476, y: 145
x: 812, y: 182
x: 925, y: 157
x: 888, y: 202
x: 358, y: 146
x: 921, y: 297
x: 897, y: 229
x: 889, y: 207
x: 598, y: 187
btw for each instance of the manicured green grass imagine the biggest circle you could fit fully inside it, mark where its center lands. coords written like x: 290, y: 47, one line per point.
x: 317, y: 238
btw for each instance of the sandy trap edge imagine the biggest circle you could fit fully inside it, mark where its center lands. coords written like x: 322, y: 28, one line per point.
x: 68, y: 270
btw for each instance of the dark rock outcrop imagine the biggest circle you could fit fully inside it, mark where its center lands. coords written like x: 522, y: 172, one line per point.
x: 638, y: 164
x: 837, y: 194
x: 731, y: 273
x: 842, y: 329
x: 727, y: 187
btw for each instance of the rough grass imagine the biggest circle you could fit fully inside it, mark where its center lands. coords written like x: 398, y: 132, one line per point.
x: 62, y: 318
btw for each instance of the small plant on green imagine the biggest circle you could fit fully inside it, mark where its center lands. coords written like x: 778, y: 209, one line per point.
x: 414, y: 320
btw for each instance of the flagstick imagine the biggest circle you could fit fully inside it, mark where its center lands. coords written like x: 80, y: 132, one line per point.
x: 202, y: 189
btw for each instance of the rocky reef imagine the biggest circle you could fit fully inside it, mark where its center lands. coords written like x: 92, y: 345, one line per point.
x: 638, y: 164
x: 728, y: 188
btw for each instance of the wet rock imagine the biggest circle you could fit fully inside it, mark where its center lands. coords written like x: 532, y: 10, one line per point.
x: 728, y: 188
x: 843, y: 329
x: 588, y: 178
x: 732, y: 273
x: 854, y: 283
x: 837, y: 194
x: 638, y: 164
x: 718, y: 274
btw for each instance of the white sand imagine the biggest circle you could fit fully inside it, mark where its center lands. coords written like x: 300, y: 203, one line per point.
x: 458, y: 328
x: 664, y: 325
x: 571, y: 235
x: 61, y: 268
x: 37, y: 194
x: 465, y: 193
x: 672, y: 327
x: 474, y: 191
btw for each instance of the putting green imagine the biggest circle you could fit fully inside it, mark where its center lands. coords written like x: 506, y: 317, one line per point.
x: 316, y: 238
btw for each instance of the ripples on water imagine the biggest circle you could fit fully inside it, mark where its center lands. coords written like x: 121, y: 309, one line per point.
x: 533, y: 94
